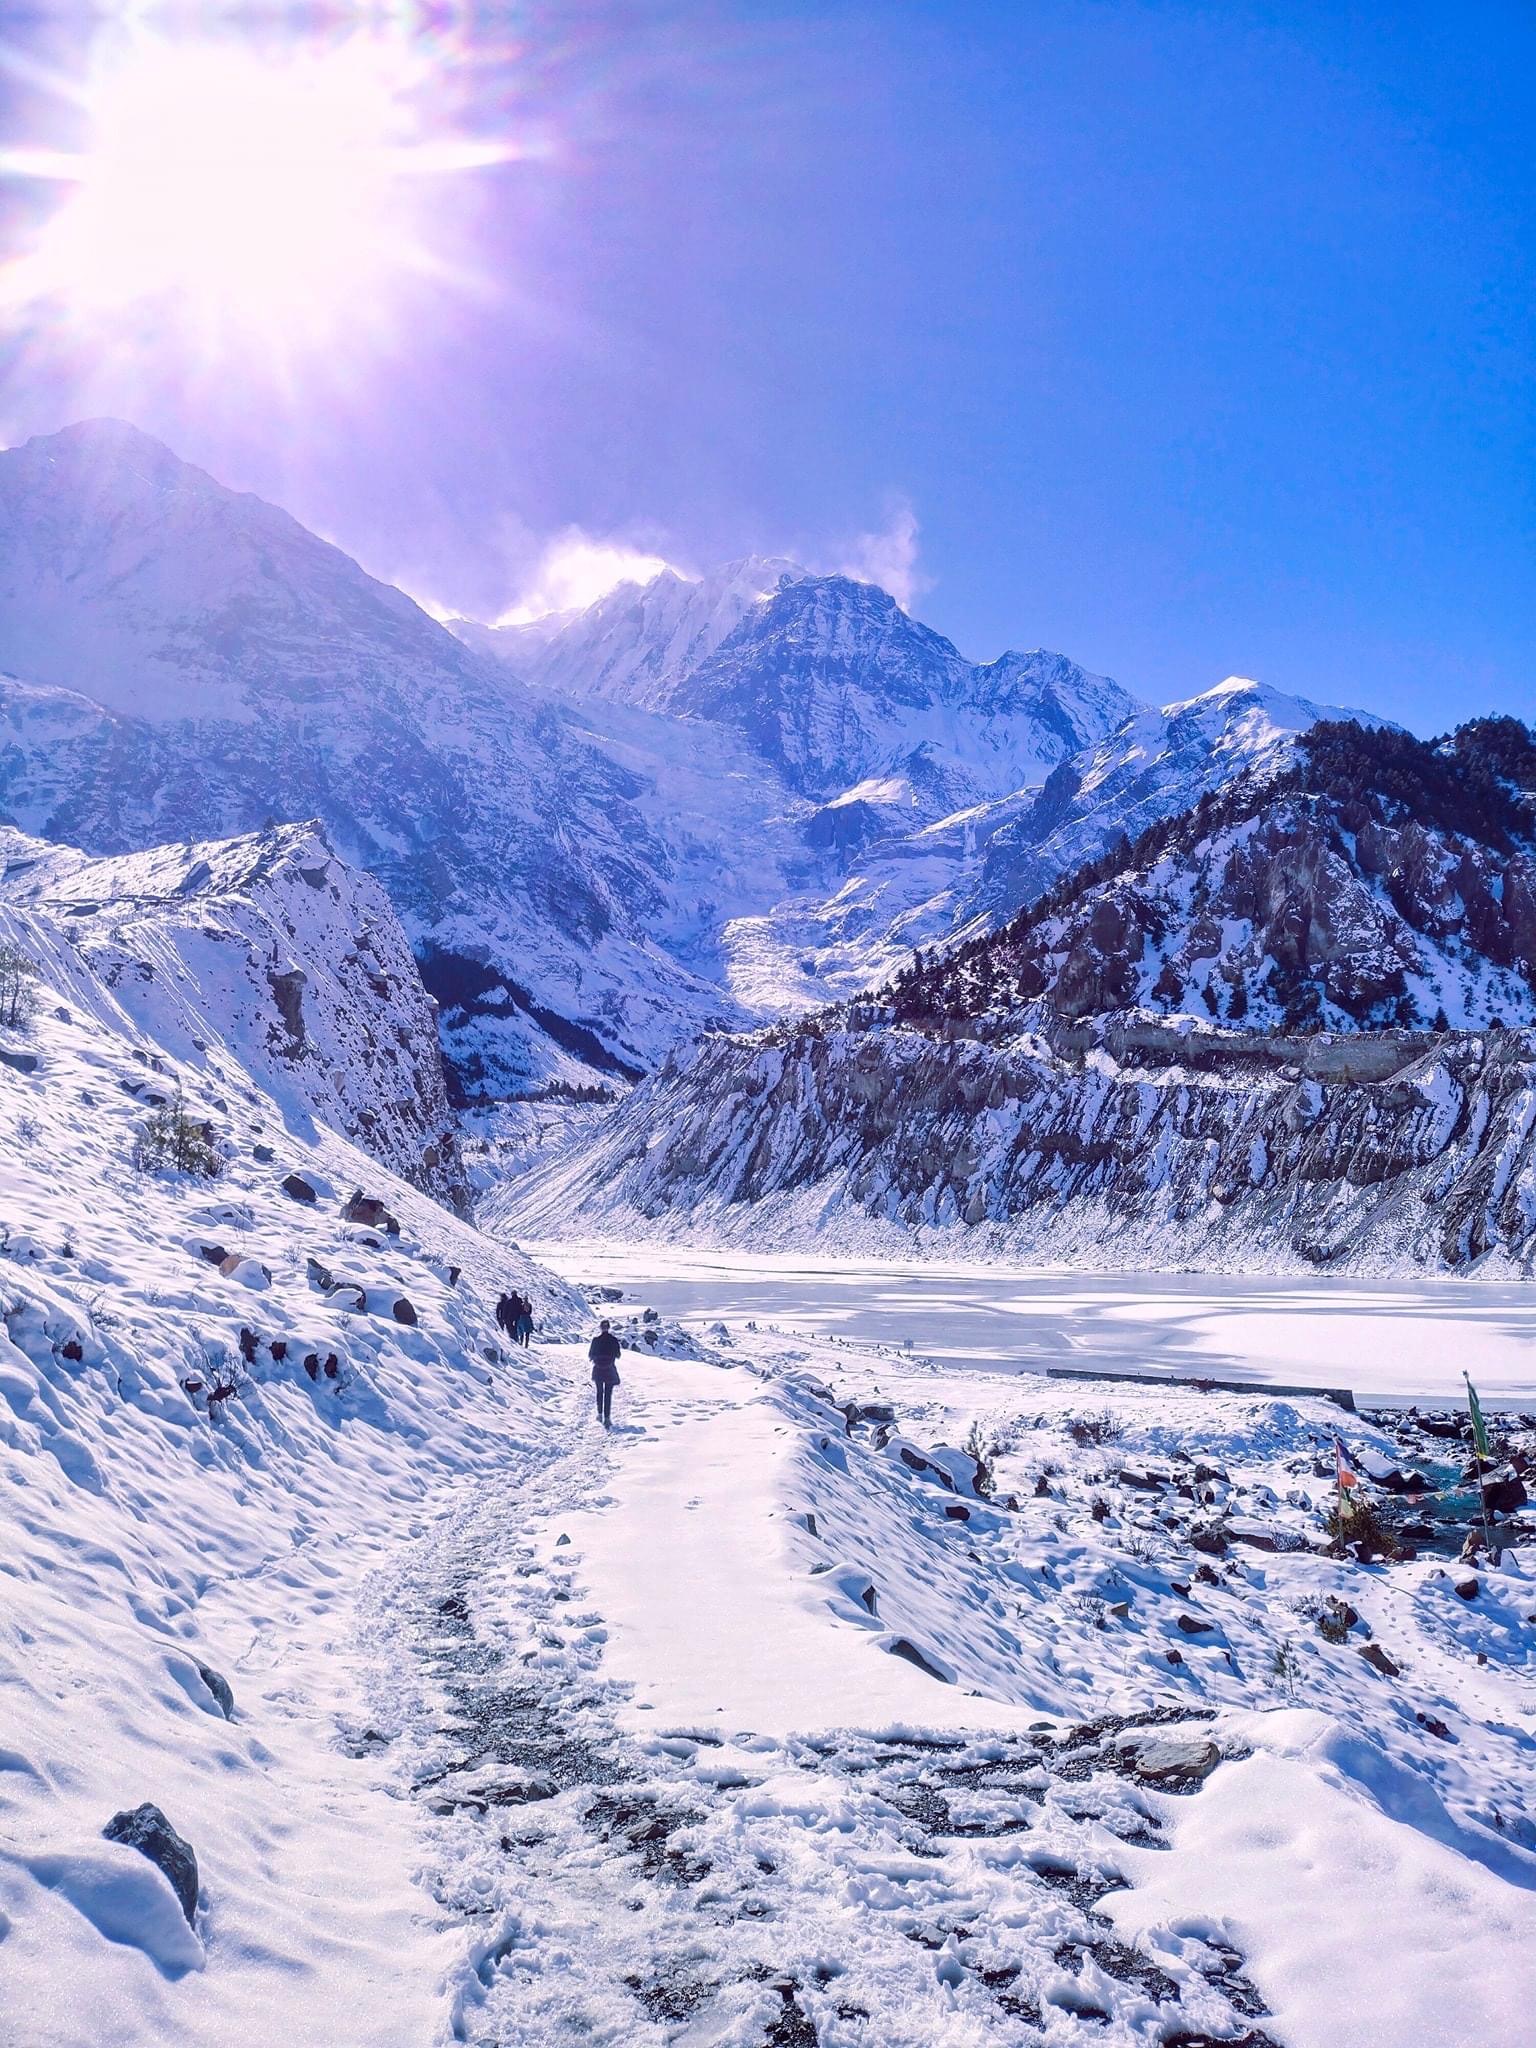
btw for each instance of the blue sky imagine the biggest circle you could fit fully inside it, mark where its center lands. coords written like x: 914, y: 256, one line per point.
x: 1192, y: 340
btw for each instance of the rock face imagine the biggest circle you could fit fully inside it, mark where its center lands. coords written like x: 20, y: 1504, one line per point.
x: 194, y: 945
x: 146, y: 1829
x: 836, y: 685
x: 1218, y: 1148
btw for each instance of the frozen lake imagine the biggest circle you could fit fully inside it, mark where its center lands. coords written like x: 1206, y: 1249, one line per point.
x: 1407, y: 1340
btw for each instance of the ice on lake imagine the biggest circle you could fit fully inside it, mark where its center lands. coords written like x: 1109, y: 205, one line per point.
x: 1385, y: 1339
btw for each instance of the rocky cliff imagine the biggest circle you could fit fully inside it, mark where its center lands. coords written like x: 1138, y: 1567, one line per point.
x: 1141, y: 1145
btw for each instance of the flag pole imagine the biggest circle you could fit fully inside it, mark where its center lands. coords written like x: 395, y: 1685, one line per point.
x: 1481, y: 1455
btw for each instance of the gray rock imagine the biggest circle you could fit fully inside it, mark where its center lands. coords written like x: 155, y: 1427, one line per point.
x: 219, y: 1686
x: 403, y: 1312
x: 1170, y: 1759
x: 298, y: 1189
x: 911, y: 1654
x: 146, y: 1829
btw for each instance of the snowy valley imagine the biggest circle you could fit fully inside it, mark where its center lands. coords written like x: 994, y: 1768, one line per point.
x: 859, y: 1689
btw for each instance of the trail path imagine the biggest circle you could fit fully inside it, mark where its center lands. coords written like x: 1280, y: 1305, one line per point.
x: 628, y: 1723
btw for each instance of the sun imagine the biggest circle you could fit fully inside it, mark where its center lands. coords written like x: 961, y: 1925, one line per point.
x: 253, y: 200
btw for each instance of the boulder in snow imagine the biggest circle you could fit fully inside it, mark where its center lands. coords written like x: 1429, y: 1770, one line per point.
x: 219, y: 1686
x: 1176, y: 1763
x: 146, y: 1829
x: 298, y: 1189
x: 371, y: 1213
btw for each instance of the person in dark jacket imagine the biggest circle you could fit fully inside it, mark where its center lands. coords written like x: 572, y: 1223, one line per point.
x: 506, y: 1315
x: 604, y: 1354
x: 523, y: 1329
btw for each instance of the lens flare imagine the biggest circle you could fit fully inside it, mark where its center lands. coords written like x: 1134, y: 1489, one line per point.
x: 257, y: 203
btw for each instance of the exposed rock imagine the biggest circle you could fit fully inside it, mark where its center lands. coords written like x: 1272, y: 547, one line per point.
x: 219, y: 1686
x: 1378, y: 1659
x: 1145, y: 1481
x: 1467, y: 1587
x: 298, y: 1188
x: 1191, y: 1625
x: 1172, y: 1761
x: 1505, y: 1493
x: 899, y: 1646
x: 146, y: 1829
x: 403, y: 1312
x: 371, y: 1213
x: 249, y: 1272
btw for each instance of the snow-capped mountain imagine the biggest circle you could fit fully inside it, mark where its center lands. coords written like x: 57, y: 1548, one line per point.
x: 254, y: 963
x: 136, y: 579
x: 638, y: 643
x: 837, y: 686
x: 1377, y: 881
x: 713, y: 801
x: 196, y: 664
x: 1059, y: 1088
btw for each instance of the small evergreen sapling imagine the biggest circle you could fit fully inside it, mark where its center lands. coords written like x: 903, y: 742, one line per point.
x: 18, y: 987
x: 170, y: 1137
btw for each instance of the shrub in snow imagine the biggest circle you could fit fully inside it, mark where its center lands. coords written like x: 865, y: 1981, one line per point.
x: 172, y: 1138
x: 18, y: 987
x: 1094, y: 1429
x: 1359, y: 1525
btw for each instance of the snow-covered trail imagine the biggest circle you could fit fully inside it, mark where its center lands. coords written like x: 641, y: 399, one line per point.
x: 711, y: 1618
x: 678, y: 1776
x: 636, y: 1750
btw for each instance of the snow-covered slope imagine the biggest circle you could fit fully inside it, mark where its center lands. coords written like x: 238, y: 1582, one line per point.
x: 1153, y: 765
x: 1376, y: 880
x: 260, y: 961
x: 220, y: 1401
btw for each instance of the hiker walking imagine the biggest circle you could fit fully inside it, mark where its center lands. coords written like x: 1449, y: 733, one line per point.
x: 604, y: 1354
x: 506, y: 1315
x: 523, y: 1330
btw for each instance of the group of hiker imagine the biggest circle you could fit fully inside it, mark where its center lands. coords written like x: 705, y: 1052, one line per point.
x: 514, y: 1312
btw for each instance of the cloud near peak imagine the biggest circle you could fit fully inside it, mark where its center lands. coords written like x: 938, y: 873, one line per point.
x: 889, y: 556
x: 574, y: 571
